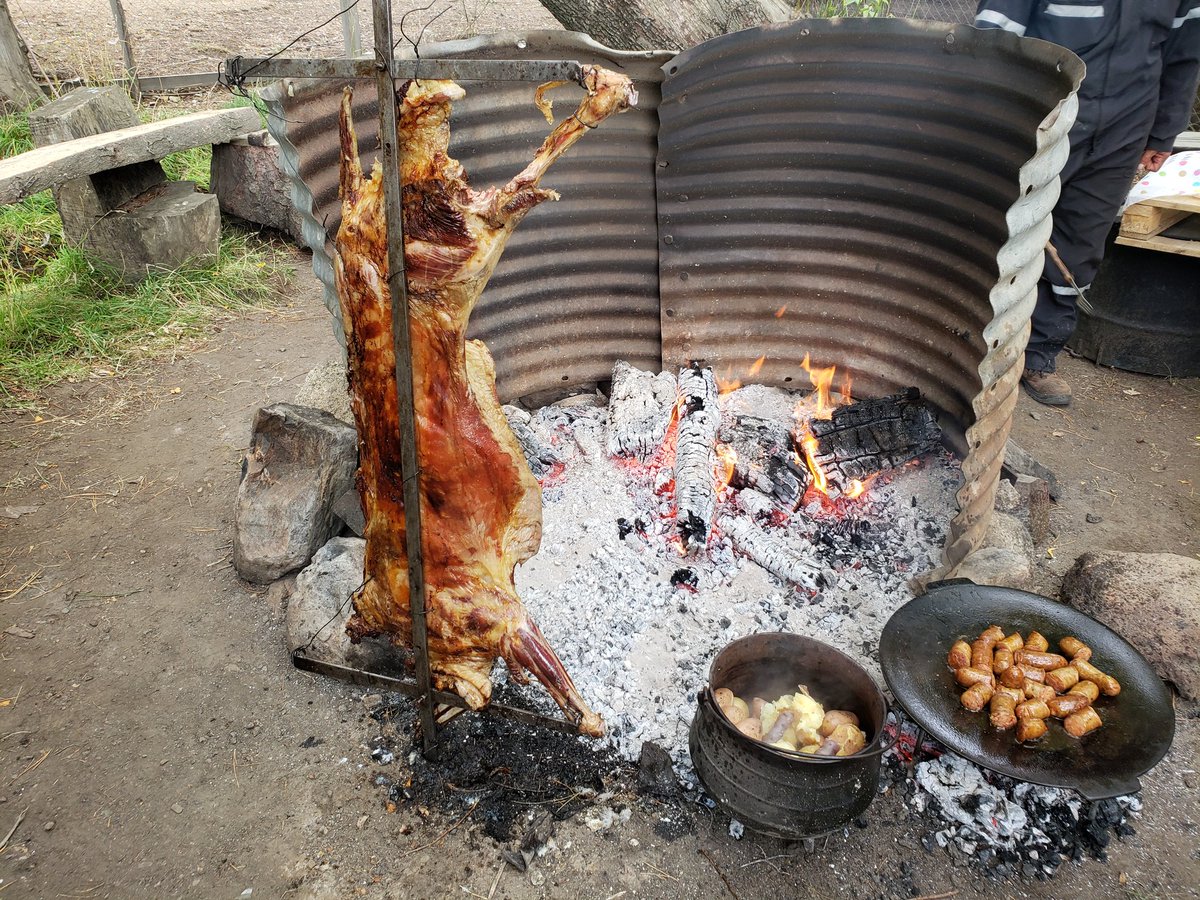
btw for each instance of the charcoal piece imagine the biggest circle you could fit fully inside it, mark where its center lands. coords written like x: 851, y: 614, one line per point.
x: 685, y: 578
x: 540, y: 457
x: 777, y: 557
x: 764, y: 462
x: 695, y: 456
x: 869, y: 436
x: 640, y: 409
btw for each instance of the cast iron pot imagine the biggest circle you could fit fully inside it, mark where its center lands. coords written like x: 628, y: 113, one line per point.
x: 773, y: 791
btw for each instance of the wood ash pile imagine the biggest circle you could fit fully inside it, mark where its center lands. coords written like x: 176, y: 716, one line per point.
x: 637, y: 604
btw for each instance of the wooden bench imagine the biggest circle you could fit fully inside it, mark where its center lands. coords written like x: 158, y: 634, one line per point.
x: 1143, y: 225
x: 49, y: 166
x: 112, y: 195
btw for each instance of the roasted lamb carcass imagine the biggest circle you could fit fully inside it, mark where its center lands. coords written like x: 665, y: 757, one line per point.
x: 480, y: 504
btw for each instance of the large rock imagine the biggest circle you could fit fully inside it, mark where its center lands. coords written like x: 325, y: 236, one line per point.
x: 1150, y: 599
x: 327, y: 388
x: 247, y: 178
x: 1007, y: 532
x: 995, y: 565
x: 320, y: 605
x: 299, y: 462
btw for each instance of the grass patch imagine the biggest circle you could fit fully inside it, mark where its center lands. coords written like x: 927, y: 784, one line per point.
x: 78, y: 315
x: 62, y: 313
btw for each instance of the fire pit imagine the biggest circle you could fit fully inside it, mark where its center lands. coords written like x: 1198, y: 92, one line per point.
x: 875, y: 192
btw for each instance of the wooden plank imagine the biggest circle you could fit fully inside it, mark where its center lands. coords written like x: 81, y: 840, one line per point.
x: 46, y: 167
x: 1162, y: 244
x: 1147, y: 220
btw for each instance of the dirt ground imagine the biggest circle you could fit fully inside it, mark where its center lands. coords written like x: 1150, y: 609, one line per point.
x: 159, y: 743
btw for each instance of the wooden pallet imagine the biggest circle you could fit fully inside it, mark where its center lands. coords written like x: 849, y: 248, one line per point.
x: 1143, y: 223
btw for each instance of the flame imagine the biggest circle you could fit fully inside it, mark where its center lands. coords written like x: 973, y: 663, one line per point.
x: 779, y: 312
x: 726, y: 463
x: 726, y: 382
x: 845, y: 391
x: 756, y: 366
x: 821, y: 380
x: 809, y: 444
x: 856, y: 489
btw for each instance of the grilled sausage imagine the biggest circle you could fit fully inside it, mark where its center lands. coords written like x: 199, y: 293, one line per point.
x: 1035, y: 691
x: 970, y: 675
x: 1015, y: 693
x: 1013, y: 677
x: 960, y: 655
x: 1036, y: 643
x: 1086, y: 689
x: 1029, y: 729
x: 1108, y: 685
x: 1033, y: 673
x: 1075, y: 648
x: 1061, y: 707
x: 1003, y: 710
x: 1012, y: 643
x: 756, y: 707
x: 1029, y: 657
x: 1080, y: 723
x: 976, y: 696
x: 993, y: 633
x: 981, y: 654
x: 1063, y: 679
x: 1002, y: 659
x: 1033, y: 709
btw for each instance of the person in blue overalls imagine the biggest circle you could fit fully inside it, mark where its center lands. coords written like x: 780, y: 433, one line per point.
x: 1143, y: 60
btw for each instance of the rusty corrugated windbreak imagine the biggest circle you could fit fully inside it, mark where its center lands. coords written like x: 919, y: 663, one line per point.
x: 578, y: 281
x: 889, y: 182
x: 877, y: 193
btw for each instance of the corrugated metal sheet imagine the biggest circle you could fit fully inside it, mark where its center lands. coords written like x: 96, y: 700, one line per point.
x: 578, y: 283
x: 889, y: 184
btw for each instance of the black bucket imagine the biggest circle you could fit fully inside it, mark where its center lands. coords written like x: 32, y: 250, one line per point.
x: 774, y: 791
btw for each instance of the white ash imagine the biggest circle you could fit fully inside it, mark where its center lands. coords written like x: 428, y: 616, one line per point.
x: 639, y: 647
x: 1014, y: 827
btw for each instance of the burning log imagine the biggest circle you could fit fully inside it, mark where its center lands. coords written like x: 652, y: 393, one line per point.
x: 756, y: 504
x: 869, y: 436
x: 540, y: 457
x: 640, y: 409
x: 772, y: 554
x: 764, y: 462
x: 480, y: 504
x: 695, y: 455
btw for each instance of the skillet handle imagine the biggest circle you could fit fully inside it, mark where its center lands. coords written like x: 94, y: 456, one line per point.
x: 1114, y: 787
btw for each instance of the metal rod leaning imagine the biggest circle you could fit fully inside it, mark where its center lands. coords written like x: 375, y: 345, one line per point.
x: 402, y: 346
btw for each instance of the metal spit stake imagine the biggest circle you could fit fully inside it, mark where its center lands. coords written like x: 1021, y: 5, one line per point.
x: 381, y: 10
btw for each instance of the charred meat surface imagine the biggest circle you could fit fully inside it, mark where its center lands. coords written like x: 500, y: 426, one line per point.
x: 480, y: 504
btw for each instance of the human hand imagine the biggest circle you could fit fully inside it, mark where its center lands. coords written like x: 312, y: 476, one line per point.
x: 1152, y: 160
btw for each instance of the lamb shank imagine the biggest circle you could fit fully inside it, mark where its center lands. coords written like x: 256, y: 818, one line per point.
x: 480, y: 504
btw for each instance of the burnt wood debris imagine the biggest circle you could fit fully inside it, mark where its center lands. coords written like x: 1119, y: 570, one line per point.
x: 760, y: 459
x: 870, y: 436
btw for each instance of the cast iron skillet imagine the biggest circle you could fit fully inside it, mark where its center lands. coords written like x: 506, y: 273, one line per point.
x: 1139, y: 723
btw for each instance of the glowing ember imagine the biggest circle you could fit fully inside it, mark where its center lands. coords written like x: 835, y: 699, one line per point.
x: 779, y: 312
x: 726, y: 463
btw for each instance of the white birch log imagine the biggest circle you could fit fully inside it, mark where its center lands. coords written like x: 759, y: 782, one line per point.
x: 771, y: 553
x: 695, y: 455
x: 639, y: 411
